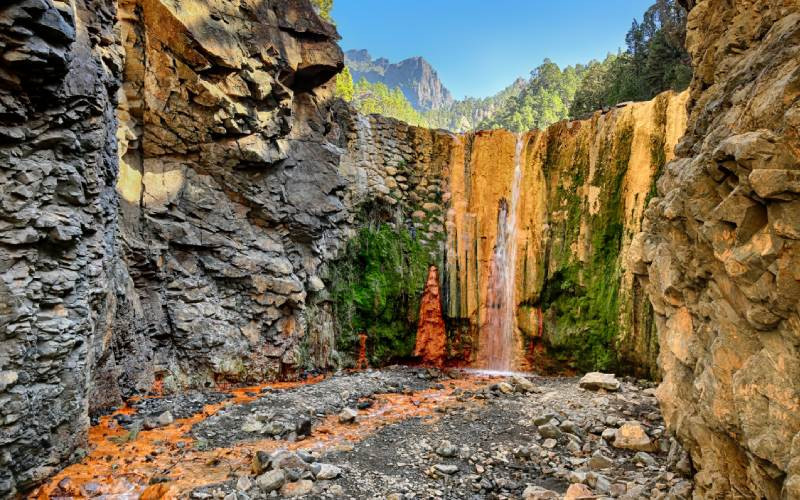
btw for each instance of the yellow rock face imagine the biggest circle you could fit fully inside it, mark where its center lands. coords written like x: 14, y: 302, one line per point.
x: 572, y: 174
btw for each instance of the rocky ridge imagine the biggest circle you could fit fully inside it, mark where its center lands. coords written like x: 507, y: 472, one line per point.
x: 414, y: 76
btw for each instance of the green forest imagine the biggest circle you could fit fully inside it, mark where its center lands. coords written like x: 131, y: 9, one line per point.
x: 654, y: 60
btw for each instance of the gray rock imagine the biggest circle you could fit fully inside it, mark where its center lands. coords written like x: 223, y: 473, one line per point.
x: 165, y: 418
x: 549, y: 431
x: 522, y: 384
x: 600, y: 461
x: 244, y: 483
x: 609, y: 434
x: 448, y: 469
x: 446, y: 449
x: 328, y: 471
x: 545, y: 419
x: 348, y: 416
x: 271, y: 480
x: 569, y: 426
x: 644, y: 458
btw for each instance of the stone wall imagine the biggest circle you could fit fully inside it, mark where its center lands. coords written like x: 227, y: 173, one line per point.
x: 720, y: 254
x: 59, y: 71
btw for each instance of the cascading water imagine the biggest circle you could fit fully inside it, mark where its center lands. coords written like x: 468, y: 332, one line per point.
x: 495, y: 351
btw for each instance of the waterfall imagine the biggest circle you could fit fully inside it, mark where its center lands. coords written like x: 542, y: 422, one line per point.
x: 497, y: 334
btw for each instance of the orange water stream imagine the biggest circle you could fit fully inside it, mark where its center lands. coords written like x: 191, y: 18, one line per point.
x: 126, y: 470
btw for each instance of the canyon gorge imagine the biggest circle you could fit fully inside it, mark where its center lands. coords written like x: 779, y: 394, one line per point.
x: 186, y: 208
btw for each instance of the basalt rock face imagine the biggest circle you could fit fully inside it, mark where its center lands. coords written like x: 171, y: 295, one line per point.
x: 170, y: 187
x: 720, y: 254
x: 230, y: 197
x: 59, y: 71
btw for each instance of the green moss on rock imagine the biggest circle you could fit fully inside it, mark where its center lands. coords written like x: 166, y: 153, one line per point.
x: 581, y: 299
x: 376, y: 287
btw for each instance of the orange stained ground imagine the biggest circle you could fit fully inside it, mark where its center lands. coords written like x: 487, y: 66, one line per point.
x: 126, y: 470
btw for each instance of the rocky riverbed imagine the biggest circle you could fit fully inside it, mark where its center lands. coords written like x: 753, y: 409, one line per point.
x: 394, y: 433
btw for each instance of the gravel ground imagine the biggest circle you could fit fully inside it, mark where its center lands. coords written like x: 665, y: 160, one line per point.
x: 503, y: 437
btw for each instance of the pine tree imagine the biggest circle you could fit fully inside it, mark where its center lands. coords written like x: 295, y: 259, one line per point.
x: 344, y: 85
x: 323, y: 8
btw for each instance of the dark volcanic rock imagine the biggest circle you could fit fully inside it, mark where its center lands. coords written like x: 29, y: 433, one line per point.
x: 59, y: 72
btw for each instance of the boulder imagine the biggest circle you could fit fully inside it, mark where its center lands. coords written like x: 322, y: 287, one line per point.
x: 522, y: 384
x: 165, y: 418
x: 599, y: 461
x: 538, y: 493
x: 297, y: 488
x: 549, y: 431
x: 597, y: 380
x: 578, y: 491
x: 348, y: 416
x: 446, y: 449
x: 328, y: 471
x: 632, y: 436
x: 271, y: 480
x: 448, y: 469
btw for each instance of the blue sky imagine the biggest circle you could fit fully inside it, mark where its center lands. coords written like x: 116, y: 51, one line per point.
x: 480, y: 46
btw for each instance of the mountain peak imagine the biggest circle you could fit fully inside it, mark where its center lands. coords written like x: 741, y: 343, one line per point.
x: 414, y: 76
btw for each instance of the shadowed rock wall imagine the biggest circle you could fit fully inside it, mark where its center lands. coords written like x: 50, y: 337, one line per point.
x: 720, y: 254
x: 229, y: 191
x: 59, y: 72
x: 168, y: 195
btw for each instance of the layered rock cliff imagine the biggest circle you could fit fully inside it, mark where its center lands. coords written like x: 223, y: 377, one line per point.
x: 168, y: 195
x: 720, y: 254
x: 229, y: 193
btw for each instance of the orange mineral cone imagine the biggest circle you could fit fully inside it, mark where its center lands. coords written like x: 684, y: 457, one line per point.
x: 431, y: 334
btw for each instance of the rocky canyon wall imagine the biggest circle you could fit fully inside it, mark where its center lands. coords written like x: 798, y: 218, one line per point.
x: 229, y: 192
x: 59, y: 72
x: 185, y: 205
x: 168, y: 195
x: 720, y: 256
